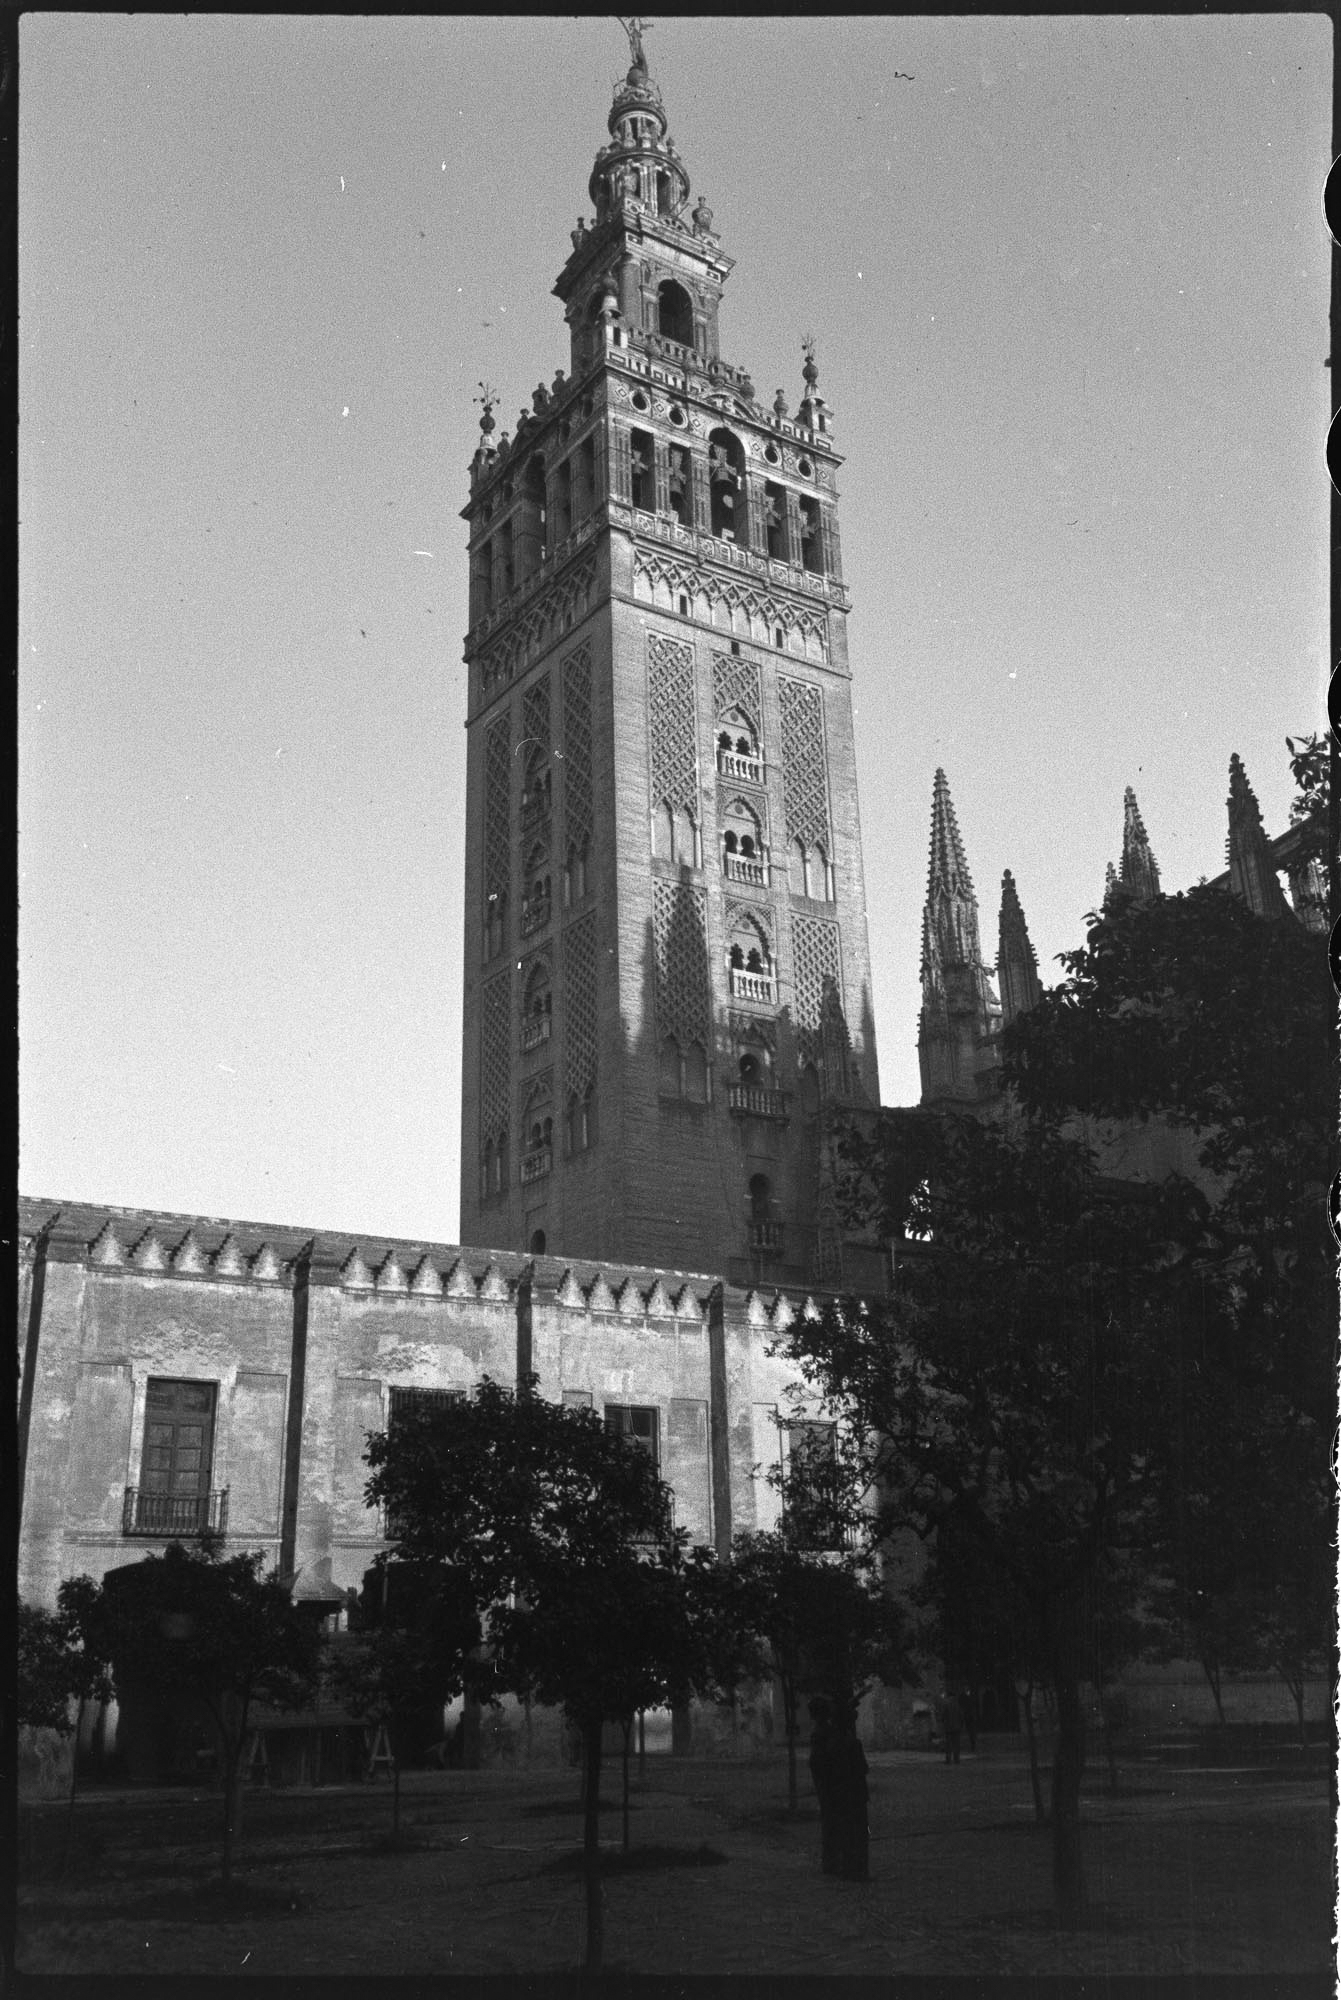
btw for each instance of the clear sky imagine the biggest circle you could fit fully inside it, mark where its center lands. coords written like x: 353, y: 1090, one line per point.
x: 1068, y: 284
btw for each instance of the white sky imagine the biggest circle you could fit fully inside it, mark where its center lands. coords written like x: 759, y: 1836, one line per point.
x: 1069, y: 289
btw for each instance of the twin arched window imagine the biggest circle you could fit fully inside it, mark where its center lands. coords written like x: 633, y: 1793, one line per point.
x: 684, y: 1072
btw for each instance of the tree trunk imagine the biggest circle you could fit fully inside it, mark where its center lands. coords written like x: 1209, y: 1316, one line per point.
x: 642, y: 1748
x: 74, y: 1787
x: 395, y: 1796
x: 1211, y: 1669
x: 1068, y: 1876
x: 591, y: 1844
x: 789, y: 1724
x: 627, y: 1728
x: 1031, y: 1736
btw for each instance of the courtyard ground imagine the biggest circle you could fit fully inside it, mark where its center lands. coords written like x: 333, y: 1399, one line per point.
x: 1190, y: 1871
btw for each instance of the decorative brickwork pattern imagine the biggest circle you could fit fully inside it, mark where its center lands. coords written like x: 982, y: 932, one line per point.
x: 805, y: 785
x: 735, y: 684
x: 815, y: 958
x: 670, y: 723
x: 535, y: 715
x: 579, y: 1004
x: 664, y: 579
x: 577, y: 779
x: 680, y: 940
x: 495, y: 1055
x: 539, y: 625
x: 497, y: 814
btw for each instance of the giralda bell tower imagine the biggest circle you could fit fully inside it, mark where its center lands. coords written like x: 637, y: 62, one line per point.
x: 667, y: 980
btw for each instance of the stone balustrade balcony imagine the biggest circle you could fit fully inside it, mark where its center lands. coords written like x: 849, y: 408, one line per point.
x: 751, y: 1100
x: 535, y: 916
x: 732, y: 765
x: 535, y: 1031
x: 756, y: 986
x: 742, y: 868
x: 536, y: 1165
x: 766, y: 1237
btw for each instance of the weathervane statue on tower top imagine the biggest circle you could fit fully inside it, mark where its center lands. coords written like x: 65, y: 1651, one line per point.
x: 634, y: 27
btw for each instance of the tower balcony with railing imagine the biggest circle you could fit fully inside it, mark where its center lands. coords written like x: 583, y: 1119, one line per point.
x: 535, y: 1032
x: 766, y: 1236
x: 745, y: 868
x: 731, y: 764
x: 535, y: 915
x: 536, y: 1164
x: 752, y: 1100
x: 756, y: 986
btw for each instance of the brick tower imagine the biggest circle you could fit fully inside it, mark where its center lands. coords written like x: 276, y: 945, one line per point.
x: 666, y: 968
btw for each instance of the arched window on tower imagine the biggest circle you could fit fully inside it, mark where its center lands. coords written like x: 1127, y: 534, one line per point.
x: 812, y: 540
x: 775, y: 520
x: 495, y: 922
x: 726, y: 485
x: 642, y: 471
x: 537, y: 1006
x: 529, y: 524
x: 681, y: 489
x: 675, y: 313
x: 575, y: 873
x: 765, y: 1229
x: 742, y: 845
x: 563, y: 501
x: 668, y: 1068
x: 750, y: 959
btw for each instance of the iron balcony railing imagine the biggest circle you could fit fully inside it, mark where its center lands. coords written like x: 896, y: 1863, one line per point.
x: 739, y: 868
x: 753, y: 1102
x: 534, y: 1032
x: 813, y: 1529
x: 732, y: 765
x: 751, y: 986
x: 765, y: 1236
x: 534, y: 916
x: 536, y: 1165
x: 172, y: 1515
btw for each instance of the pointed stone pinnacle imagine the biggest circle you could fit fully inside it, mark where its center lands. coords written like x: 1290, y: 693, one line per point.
x: 1252, y: 873
x: 1016, y: 965
x: 949, y: 870
x: 1140, y: 872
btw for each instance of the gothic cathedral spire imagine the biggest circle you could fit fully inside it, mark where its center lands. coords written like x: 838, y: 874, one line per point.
x: 960, y: 1014
x: 1139, y: 874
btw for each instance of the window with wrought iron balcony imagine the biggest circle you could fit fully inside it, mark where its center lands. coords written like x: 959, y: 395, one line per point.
x: 765, y: 1228
x: 538, y: 1159
x: 174, y: 1499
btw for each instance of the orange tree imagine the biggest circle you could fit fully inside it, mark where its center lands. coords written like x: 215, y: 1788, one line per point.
x: 561, y: 1534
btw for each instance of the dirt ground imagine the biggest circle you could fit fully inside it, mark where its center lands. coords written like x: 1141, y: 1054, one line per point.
x: 1189, y: 1872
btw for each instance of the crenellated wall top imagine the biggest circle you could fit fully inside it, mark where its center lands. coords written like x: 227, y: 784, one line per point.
x: 163, y: 1246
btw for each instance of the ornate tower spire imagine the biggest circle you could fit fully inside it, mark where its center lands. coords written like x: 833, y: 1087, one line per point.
x: 1016, y: 965
x: 1252, y: 874
x: 952, y: 906
x: 1140, y: 873
x: 1110, y: 886
x: 960, y: 1014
